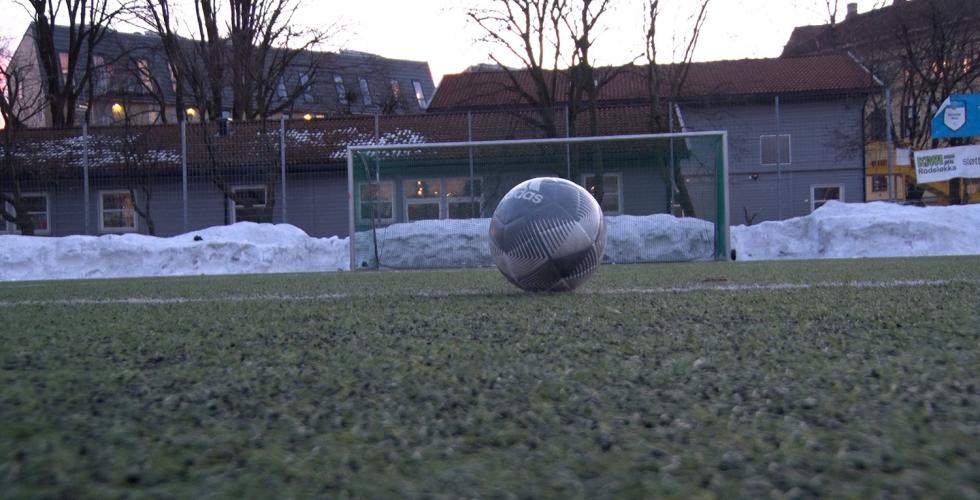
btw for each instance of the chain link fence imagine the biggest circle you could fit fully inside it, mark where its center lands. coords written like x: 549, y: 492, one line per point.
x: 789, y: 155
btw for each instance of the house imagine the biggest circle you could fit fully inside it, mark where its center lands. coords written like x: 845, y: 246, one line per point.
x: 132, y: 82
x: 922, y: 51
x: 796, y: 125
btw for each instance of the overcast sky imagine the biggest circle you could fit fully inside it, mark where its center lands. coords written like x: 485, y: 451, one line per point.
x: 437, y: 30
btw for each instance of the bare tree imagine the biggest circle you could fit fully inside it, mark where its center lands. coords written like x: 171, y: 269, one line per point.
x: 669, y: 80
x: 530, y: 31
x: 66, y: 74
x: 266, y: 47
x: 21, y: 100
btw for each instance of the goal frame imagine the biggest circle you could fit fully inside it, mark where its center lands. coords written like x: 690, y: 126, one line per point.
x: 722, y: 226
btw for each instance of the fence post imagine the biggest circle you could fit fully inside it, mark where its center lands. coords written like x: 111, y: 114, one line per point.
x: 889, y: 144
x: 779, y: 167
x: 85, y: 187
x: 282, y: 163
x: 670, y: 168
x: 183, y: 171
x: 568, y: 150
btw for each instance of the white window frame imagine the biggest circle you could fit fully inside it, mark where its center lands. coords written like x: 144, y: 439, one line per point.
x: 365, y: 91
x: 420, y: 94
x: 136, y: 217
x: 815, y: 187
x: 461, y: 199
x: 440, y: 195
x: 442, y: 198
x: 619, y: 189
x: 233, y: 205
x: 360, y: 201
x: 789, y: 149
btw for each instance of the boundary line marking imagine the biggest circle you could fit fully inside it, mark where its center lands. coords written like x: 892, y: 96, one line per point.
x: 470, y: 292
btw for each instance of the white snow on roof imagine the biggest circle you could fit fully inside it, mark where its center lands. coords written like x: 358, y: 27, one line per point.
x: 836, y: 230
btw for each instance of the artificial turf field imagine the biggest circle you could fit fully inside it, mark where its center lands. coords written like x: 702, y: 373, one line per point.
x: 856, y: 378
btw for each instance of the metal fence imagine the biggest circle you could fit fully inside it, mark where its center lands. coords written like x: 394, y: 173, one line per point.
x: 789, y: 155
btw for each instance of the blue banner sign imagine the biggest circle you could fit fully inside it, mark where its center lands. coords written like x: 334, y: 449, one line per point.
x: 959, y: 116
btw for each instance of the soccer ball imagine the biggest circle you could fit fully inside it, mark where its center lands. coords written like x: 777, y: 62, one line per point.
x: 547, y: 234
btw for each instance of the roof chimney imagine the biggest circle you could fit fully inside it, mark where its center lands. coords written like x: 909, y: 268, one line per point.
x: 852, y: 10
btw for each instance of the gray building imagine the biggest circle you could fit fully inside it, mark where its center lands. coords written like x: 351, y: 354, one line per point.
x: 132, y: 81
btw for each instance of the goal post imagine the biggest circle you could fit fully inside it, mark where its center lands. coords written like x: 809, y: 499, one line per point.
x: 665, y: 196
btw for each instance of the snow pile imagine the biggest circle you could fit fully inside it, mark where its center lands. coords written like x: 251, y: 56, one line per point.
x: 836, y: 230
x: 245, y: 247
x: 878, y: 229
x: 429, y: 243
x: 659, y: 237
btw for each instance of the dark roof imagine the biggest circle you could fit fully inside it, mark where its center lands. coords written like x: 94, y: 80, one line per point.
x: 315, y: 144
x: 877, y: 27
x: 828, y: 73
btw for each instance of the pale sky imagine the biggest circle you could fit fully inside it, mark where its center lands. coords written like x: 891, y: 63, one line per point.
x: 438, y: 32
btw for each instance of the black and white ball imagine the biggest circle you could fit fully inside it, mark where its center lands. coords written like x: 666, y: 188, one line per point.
x: 547, y: 234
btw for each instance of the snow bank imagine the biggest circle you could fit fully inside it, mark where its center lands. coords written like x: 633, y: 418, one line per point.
x: 245, y: 247
x: 877, y: 229
x: 836, y: 230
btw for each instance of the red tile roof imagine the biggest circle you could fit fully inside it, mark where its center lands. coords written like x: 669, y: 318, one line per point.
x: 816, y: 74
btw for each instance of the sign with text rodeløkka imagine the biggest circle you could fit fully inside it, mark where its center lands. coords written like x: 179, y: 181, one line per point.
x: 943, y: 164
x: 959, y: 116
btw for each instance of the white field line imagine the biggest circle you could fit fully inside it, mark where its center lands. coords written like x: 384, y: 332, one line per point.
x: 469, y: 292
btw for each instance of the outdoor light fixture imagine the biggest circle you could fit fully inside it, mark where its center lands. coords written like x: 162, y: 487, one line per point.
x: 117, y: 108
x: 191, y: 112
x: 307, y: 117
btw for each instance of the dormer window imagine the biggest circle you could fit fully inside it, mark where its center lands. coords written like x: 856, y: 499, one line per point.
x: 419, y: 94
x: 365, y: 91
x: 304, y: 81
x: 63, y: 60
x: 281, y: 88
x: 338, y: 83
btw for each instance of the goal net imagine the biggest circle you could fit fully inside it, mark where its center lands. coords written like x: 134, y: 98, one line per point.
x: 664, y: 196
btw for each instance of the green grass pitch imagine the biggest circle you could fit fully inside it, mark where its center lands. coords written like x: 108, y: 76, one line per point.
x: 855, y: 378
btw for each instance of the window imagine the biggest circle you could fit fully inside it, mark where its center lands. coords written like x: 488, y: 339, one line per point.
x: 249, y: 204
x: 281, y: 88
x: 117, y: 211
x: 422, y: 199
x: 879, y: 183
x: 37, y: 208
x: 304, y: 81
x: 100, y: 77
x: 822, y: 194
x: 365, y: 91
x: 611, y: 191
x: 396, y: 89
x: 338, y: 83
x: 173, y: 78
x: 146, y: 77
x: 419, y: 94
x: 463, y: 198
x: 767, y: 146
x: 453, y: 198
x: 376, y: 202
x: 63, y: 60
